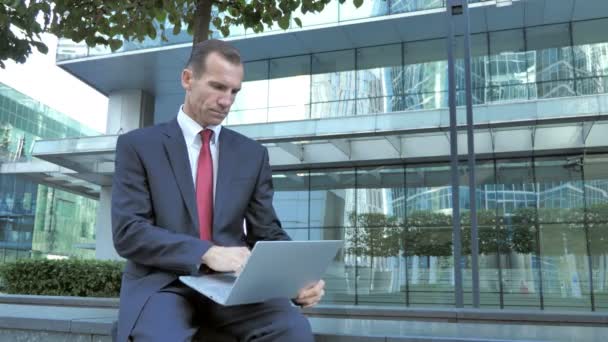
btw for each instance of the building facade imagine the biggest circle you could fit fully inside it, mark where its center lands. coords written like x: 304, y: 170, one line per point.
x: 37, y: 220
x: 353, y: 108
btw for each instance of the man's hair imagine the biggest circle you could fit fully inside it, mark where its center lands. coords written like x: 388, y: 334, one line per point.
x: 198, y: 58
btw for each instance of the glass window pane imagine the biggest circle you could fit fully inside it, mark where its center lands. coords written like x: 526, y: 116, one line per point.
x: 552, y: 63
x: 508, y: 66
x: 379, y: 71
x: 368, y: 9
x: 591, y: 56
x: 289, y: 82
x: 247, y: 116
x: 333, y: 77
x: 491, y: 236
x: 340, y: 278
x: 596, y: 193
x: 385, y: 104
x: 291, y: 198
x: 400, y: 6
x: 426, y: 67
x: 288, y: 113
x: 479, y: 63
x: 564, y: 262
x: 254, y: 89
x: 380, y: 190
x: 519, y: 272
x: 332, y: 197
x: 333, y: 109
x: 428, y: 236
x: 432, y: 100
x: 375, y: 243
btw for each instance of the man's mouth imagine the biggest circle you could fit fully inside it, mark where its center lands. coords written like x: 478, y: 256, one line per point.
x: 217, y: 112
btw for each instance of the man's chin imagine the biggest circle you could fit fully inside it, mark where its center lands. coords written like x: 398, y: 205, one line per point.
x: 217, y: 120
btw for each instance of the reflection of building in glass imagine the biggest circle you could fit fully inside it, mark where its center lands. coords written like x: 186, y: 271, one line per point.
x: 353, y: 112
x: 36, y: 219
x: 508, y: 197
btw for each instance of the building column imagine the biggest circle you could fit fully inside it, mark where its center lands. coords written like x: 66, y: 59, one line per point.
x: 127, y: 110
x: 104, y: 247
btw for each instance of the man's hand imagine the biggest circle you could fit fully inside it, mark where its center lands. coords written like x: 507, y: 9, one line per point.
x: 226, y: 259
x: 311, y: 295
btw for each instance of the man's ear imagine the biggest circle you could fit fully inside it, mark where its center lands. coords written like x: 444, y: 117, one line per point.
x: 187, y: 78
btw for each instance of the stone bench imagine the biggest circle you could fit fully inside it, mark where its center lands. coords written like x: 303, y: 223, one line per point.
x: 65, y: 319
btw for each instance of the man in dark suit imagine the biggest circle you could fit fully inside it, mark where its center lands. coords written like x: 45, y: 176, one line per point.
x: 182, y: 191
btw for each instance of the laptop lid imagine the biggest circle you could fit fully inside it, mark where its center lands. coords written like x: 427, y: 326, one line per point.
x: 275, y: 269
x: 281, y: 268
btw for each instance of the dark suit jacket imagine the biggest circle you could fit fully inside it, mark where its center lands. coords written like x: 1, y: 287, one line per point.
x: 154, y: 218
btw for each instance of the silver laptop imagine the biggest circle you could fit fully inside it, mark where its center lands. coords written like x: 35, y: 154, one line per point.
x: 274, y: 269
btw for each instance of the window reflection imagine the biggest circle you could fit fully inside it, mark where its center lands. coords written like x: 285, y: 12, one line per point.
x: 552, y: 64
x: 590, y: 56
x: 333, y: 84
x: 512, y: 65
x: 379, y: 76
x: 542, y: 226
x: 289, y: 87
x: 291, y: 198
x: 508, y: 66
x: 596, y: 204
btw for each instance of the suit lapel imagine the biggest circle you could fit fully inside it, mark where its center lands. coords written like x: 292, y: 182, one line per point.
x: 226, y: 166
x: 177, y: 153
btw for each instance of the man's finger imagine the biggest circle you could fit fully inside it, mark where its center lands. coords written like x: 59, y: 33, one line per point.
x: 312, y: 289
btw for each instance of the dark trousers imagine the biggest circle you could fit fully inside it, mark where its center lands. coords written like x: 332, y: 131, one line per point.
x: 177, y: 312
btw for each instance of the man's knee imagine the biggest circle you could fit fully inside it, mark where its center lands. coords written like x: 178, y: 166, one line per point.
x: 297, y: 328
x: 166, y: 316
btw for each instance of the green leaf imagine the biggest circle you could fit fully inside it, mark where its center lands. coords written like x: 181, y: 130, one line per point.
x: 161, y: 16
x: 225, y: 31
x: 151, y: 30
x: 177, y: 28
x: 298, y: 21
x: 284, y: 22
x: 115, y: 44
x: 358, y: 3
x: 217, y: 22
x: 42, y: 48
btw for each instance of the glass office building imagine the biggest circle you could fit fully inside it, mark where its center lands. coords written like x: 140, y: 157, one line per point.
x: 37, y: 220
x: 353, y: 108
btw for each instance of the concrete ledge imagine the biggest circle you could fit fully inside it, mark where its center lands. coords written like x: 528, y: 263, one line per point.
x: 465, y: 315
x: 90, y: 302
x: 368, y: 312
x: 535, y: 317
x: 47, y: 318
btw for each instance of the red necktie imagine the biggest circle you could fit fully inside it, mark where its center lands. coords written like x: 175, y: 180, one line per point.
x: 204, y: 187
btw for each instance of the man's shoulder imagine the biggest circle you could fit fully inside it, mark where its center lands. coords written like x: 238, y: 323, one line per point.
x: 145, y: 134
x: 242, y: 139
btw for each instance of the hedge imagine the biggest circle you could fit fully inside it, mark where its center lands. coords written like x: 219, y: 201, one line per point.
x: 85, y: 278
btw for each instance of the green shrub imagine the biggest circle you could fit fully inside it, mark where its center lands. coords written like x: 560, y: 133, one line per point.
x: 86, y: 278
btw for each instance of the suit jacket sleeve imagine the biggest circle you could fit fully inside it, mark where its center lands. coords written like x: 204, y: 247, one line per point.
x: 135, y: 236
x: 262, y: 221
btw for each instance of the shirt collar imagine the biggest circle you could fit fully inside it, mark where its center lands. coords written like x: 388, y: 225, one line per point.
x: 191, y: 128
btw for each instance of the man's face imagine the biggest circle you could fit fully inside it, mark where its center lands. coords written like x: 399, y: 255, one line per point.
x: 209, y: 97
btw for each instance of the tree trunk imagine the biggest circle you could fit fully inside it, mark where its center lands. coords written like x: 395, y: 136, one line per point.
x: 202, y: 19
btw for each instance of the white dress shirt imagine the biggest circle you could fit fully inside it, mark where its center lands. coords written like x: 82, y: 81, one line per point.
x: 191, y: 130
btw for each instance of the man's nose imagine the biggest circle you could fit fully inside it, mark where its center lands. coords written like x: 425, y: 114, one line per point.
x: 225, y: 101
